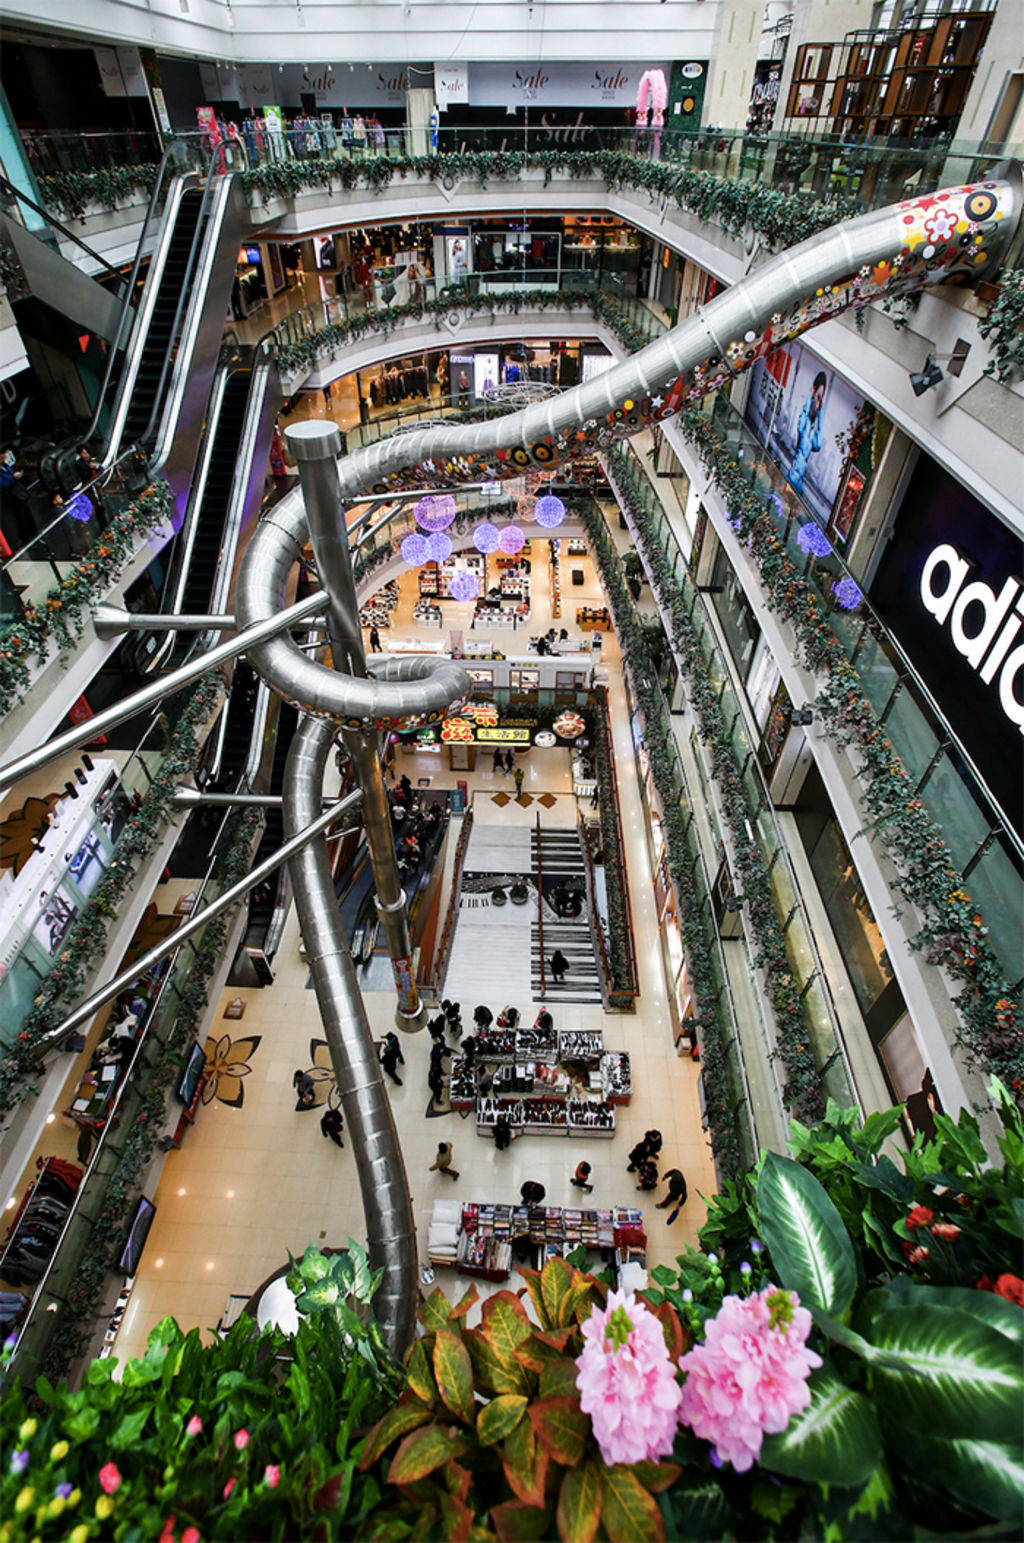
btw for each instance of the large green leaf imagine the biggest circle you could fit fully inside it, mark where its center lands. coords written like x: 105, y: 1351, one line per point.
x: 960, y: 1379
x: 628, y: 1510
x: 454, y: 1374
x: 421, y: 1452
x: 500, y: 1417
x: 984, y: 1475
x: 810, y: 1248
x: 1001, y: 1315
x: 579, y: 1504
x: 833, y: 1441
x: 698, y: 1510
x: 562, y: 1427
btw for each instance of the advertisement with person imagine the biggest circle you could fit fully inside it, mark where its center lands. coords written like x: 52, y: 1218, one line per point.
x: 803, y: 415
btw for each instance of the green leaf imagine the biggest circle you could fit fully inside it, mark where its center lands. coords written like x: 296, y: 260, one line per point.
x: 421, y: 1452
x: 628, y: 1511
x: 434, y: 1311
x: 556, y: 1285
x: 298, y: 1382
x: 833, y: 1441
x: 961, y: 1379
x: 454, y: 1373
x: 492, y: 1374
x: 525, y: 1463
x: 810, y: 1248
x: 129, y: 1429
x: 562, y: 1428
x: 397, y: 1422
x: 419, y: 1375
x: 579, y: 1504
x: 1003, y: 1316
x: 558, y: 1380
x: 984, y: 1475
x: 500, y: 1417
x: 516, y: 1522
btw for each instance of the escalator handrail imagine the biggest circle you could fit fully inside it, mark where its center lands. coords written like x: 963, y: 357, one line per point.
x: 9, y: 191
x: 173, y: 153
x: 226, y: 149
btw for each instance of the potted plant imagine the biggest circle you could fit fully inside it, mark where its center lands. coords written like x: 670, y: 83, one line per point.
x: 497, y: 896
x: 519, y: 894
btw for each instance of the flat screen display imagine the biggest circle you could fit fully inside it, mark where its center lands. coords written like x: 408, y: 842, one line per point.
x: 190, y: 1077
x: 138, y: 1232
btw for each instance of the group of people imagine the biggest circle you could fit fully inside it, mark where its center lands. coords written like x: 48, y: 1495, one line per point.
x: 413, y: 823
x: 643, y: 1161
x: 505, y: 762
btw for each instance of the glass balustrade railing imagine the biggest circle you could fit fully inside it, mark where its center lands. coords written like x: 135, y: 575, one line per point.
x: 817, y: 1006
x: 866, y: 172
x: 88, y: 1246
x: 979, y: 835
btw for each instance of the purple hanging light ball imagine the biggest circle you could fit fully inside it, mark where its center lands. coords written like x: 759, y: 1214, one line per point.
x: 415, y: 550
x: 812, y: 539
x: 486, y: 537
x: 848, y: 594
x: 549, y: 511
x: 439, y: 546
x: 464, y: 587
x: 511, y: 541
x: 435, y: 512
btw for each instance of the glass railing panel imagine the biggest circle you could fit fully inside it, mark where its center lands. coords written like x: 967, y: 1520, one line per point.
x: 994, y: 884
x: 877, y: 676
x: 964, y: 823
x: 913, y: 736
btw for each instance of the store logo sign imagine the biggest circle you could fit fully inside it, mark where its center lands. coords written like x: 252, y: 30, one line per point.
x: 983, y: 625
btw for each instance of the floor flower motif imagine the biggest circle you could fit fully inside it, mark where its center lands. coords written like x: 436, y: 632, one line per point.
x: 322, y: 1073
x: 227, y: 1063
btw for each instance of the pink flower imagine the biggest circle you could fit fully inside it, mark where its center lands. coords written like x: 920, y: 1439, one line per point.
x: 194, y: 1426
x: 626, y: 1381
x: 229, y: 1486
x: 110, y: 1478
x: 241, y: 1440
x: 750, y: 1375
x: 190, y: 1535
x: 272, y: 1475
x: 167, y: 1535
x: 918, y: 1255
x: 947, y: 1231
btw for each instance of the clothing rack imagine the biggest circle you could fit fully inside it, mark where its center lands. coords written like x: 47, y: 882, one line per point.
x: 38, y: 1222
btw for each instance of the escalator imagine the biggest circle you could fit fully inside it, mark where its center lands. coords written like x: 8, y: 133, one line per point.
x: 235, y: 750
x: 268, y: 901
x: 160, y: 339
x: 208, y: 537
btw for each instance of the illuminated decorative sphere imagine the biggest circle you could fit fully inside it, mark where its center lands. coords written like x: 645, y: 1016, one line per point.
x: 464, y: 587
x: 550, y: 511
x: 435, y: 512
x: 847, y: 594
x: 79, y: 506
x: 811, y: 538
x: 511, y: 540
x: 439, y: 546
x: 415, y: 550
x: 486, y: 537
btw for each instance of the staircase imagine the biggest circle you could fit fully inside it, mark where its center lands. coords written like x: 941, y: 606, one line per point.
x: 558, y: 860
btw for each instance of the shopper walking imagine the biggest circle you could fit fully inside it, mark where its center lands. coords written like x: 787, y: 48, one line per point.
x: 518, y: 777
x: 305, y: 1089
x: 502, y: 1133
x: 332, y: 1125
x: 676, y: 1196
x: 650, y: 1146
x: 483, y: 1017
x: 443, y: 1161
x: 499, y: 762
x: 647, y: 1173
x: 581, y: 1178
x: 532, y: 1193
x: 509, y: 760
x: 390, y: 1052
x: 559, y: 965
x: 375, y: 643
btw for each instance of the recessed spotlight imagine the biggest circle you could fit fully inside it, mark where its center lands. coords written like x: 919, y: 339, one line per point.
x: 11, y: 1203
x: 50, y: 1119
x: 158, y: 1264
x: 209, y: 1264
x: 183, y: 1192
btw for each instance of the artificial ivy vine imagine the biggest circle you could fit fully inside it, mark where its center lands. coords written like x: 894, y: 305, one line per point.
x: 76, y: 1321
x: 1003, y: 329
x: 71, y: 192
x: 953, y: 933
x: 86, y: 942
x: 62, y: 615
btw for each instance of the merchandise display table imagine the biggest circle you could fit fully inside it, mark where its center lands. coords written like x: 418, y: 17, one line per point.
x: 545, y: 1083
x: 484, y: 1240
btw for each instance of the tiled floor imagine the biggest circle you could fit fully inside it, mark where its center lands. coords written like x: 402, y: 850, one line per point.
x: 254, y: 1181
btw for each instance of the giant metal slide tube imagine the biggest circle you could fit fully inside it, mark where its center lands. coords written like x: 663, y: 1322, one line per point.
x: 954, y: 236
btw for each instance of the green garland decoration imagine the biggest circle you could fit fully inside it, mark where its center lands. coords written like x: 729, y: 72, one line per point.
x: 687, y: 878
x: 1003, y: 329
x: 326, y: 341
x: 780, y: 219
x: 71, y: 192
x: 85, y: 943
x: 803, y: 1092
x: 953, y: 933
x: 76, y: 1320
x: 62, y: 616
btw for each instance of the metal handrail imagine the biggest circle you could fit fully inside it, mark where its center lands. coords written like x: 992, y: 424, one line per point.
x: 9, y: 191
x: 630, y: 934
x: 448, y: 931
x: 596, y: 930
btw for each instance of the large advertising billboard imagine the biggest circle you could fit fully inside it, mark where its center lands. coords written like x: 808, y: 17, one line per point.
x: 803, y: 414
x: 950, y: 587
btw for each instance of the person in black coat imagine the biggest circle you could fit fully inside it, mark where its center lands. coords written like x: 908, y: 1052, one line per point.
x: 390, y: 1057
x: 502, y: 1133
x: 332, y: 1125
x: 483, y: 1017
x: 676, y: 1193
x: 559, y: 965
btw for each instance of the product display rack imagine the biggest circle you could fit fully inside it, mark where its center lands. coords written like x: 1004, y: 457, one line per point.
x: 488, y: 1237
